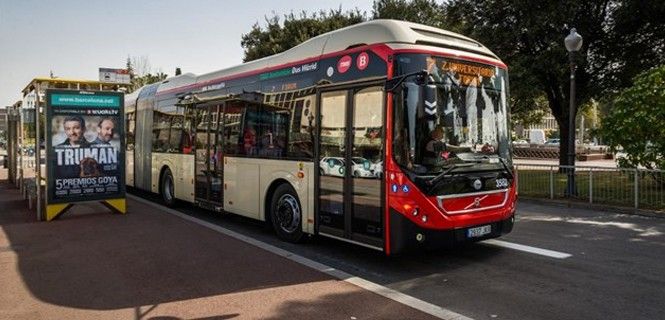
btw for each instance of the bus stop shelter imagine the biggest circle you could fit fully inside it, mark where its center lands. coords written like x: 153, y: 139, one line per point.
x: 26, y: 121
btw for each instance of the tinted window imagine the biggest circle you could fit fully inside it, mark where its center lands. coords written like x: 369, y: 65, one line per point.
x: 160, y: 132
x: 131, y: 129
x: 232, y: 122
x: 301, y: 135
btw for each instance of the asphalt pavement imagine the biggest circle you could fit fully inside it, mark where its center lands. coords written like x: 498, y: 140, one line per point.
x: 558, y: 263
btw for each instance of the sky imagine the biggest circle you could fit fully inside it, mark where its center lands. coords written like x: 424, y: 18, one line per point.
x: 73, y: 39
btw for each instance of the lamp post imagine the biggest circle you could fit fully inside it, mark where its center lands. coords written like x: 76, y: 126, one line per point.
x: 573, y: 44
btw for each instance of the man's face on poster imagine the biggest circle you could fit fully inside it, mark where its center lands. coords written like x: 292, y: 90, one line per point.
x: 74, y: 131
x: 106, y: 130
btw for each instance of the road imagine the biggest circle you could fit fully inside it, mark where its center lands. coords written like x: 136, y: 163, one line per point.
x: 599, y: 266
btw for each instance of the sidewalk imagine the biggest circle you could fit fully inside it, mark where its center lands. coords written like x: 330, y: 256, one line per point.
x: 147, y: 264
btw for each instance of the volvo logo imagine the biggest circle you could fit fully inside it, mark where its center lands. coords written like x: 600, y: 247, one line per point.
x: 477, y: 184
x: 476, y: 202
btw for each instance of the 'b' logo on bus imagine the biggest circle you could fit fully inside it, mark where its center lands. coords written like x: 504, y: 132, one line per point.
x: 362, y: 61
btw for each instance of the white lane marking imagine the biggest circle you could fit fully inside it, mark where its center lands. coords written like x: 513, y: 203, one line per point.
x: 534, y: 250
x: 394, y: 295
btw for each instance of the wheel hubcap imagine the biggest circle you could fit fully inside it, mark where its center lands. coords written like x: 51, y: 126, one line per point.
x: 288, y: 213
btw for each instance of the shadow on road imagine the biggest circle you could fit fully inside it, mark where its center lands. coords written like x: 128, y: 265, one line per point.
x: 92, y: 259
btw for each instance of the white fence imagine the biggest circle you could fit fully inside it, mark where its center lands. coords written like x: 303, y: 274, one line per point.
x: 637, y: 188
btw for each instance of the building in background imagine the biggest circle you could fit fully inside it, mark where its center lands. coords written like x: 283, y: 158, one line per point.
x: 3, y: 121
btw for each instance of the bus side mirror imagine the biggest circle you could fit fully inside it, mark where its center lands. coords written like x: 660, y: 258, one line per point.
x: 394, y: 84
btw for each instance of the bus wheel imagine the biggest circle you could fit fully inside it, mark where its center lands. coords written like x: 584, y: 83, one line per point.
x: 168, y: 195
x: 286, y: 214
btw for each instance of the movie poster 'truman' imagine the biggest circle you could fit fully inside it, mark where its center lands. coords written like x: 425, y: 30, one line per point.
x: 85, y: 143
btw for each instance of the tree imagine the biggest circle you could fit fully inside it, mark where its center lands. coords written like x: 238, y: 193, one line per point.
x: 527, y: 111
x: 141, y: 73
x: 529, y: 37
x: 418, y: 11
x: 278, y: 37
x: 636, y: 121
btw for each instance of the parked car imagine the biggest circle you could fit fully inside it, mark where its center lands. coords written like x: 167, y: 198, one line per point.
x: 553, y: 142
x: 331, y: 166
x: 362, y: 168
x: 521, y: 142
x: 335, y: 166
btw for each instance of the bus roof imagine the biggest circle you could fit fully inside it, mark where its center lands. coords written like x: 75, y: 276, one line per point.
x: 69, y: 82
x: 378, y: 31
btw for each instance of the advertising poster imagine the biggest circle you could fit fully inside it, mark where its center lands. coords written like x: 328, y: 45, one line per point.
x: 85, y: 143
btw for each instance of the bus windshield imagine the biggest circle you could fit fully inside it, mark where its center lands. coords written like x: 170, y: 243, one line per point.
x: 459, y: 116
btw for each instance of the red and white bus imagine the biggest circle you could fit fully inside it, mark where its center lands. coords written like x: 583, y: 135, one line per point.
x: 387, y: 134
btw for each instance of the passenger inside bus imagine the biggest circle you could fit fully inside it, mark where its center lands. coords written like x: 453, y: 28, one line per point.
x: 270, y: 145
x: 249, y: 141
x: 186, y: 142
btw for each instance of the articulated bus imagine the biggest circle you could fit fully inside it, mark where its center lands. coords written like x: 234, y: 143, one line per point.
x: 387, y: 134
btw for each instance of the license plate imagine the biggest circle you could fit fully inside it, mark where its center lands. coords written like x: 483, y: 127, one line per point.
x: 479, y: 231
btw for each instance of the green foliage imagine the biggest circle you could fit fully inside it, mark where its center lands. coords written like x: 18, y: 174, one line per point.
x: 637, y: 121
x: 140, y: 81
x: 634, y: 41
x: 527, y: 110
x: 278, y: 37
x: 418, y: 11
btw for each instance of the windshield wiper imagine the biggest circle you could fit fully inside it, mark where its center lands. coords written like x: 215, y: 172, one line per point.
x: 434, y: 181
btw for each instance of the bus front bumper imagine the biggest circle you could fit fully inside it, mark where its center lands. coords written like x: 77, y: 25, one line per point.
x: 407, y: 236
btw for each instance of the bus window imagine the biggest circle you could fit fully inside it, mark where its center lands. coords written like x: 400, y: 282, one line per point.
x: 232, y: 117
x: 272, y: 129
x: 301, y: 135
x: 130, y: 125
x: 177, y: 132
x: 252, y: 131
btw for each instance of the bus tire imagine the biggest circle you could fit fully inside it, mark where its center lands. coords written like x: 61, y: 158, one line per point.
x: 166, y: 189
x: 286, y: 214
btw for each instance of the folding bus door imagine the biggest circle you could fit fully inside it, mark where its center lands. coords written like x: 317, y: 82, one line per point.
x: 209, y: 156
x: 350, y: 152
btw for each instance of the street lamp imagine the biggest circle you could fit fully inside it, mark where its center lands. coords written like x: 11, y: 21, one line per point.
x: 573, y: 44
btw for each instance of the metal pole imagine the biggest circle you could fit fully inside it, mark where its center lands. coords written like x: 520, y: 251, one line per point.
x: 637, y: 189
x: 590, y: 185
x: 571, y: 129
x: 551, y: 182
x: 38, y: 156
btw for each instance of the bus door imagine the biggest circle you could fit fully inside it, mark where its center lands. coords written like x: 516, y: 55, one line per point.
x: 209, y: 157
x: 350, y: 154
